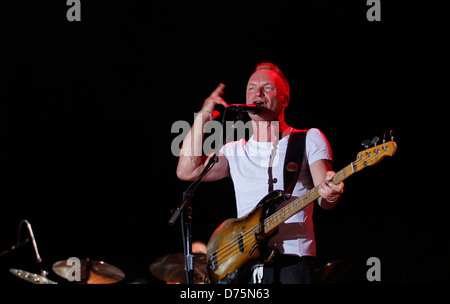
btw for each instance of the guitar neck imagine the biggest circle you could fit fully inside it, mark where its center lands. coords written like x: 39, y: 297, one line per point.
x: 364, y: 159
x: 298, y: 204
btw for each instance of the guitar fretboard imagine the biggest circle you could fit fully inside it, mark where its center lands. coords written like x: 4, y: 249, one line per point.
x: 298, y: 204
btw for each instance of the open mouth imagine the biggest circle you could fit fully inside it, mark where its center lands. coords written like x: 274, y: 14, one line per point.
x: 258, y: 103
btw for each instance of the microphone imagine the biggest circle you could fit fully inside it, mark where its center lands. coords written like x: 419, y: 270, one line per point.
x: 245, y: 108
x: 38, y: 257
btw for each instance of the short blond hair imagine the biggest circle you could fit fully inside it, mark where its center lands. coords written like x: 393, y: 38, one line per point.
x: 272, y: 67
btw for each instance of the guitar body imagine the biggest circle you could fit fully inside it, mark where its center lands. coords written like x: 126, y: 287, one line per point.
x: 237, y: 244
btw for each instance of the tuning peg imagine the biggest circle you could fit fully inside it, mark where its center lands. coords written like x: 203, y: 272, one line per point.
x: 391, y: 134
x: 375, y: 140
x: 366, y: 143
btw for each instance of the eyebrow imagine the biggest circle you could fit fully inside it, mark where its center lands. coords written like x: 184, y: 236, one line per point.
x: 266, y: 83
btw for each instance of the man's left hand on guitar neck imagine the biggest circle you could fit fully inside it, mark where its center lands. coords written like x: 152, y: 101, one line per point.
x: 329, y: 192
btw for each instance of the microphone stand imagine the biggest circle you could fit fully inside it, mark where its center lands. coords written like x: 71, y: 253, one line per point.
x: 185, y: 210
x: 28, y: 276
x: 14, y: 247
x: 33, y: 240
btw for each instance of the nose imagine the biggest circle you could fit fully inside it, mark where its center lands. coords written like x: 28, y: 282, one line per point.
x: 259, y: 92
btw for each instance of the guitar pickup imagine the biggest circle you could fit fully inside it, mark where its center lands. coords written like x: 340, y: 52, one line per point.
x: 241, y: 243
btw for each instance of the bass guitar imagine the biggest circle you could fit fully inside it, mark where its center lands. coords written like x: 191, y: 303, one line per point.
x: 237, y: 244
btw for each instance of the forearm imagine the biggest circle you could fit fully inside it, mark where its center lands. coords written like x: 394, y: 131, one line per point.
x: 191, y: 158
x: 329, y: 193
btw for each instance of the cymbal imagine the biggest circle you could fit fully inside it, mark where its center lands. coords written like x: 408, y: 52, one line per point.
x: 31, y: 277
x: 170, y: 268
x: 333, y: 272
x: 91, y: 272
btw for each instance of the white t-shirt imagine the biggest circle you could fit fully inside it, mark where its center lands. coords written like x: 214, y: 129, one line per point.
x: 249, y: 169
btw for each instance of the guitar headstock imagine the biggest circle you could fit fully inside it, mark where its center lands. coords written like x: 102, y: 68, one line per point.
x: 375, y: 154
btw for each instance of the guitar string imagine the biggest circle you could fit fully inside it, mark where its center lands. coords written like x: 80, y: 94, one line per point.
x: 248, y: 234
x: 227, y: 249
x: 224, y: 251
x: 247, y: 238
x: 348, y: 170
x: 312, y: 193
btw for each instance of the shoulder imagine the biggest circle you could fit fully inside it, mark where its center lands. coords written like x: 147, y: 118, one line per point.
x: 233, y: 146
x: 315, y: 137
x: 315, y: 134
x: 317, y: 146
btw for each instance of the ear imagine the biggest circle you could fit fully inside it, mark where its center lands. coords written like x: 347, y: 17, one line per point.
x: 286, y: 101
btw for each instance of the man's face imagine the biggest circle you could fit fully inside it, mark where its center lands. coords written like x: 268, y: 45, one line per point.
x: 266, y: 88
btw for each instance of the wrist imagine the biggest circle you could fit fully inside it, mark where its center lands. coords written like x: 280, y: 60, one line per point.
x: 205, y: 114
x: 331, y: 201
x: 326, y: 204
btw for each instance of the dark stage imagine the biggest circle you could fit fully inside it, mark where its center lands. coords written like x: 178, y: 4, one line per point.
x: 88, y: 106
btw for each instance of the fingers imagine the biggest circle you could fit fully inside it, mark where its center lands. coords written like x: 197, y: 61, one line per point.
x: 328, y: 193
x: 218, y: 91
x: 324, y: 190
x: 215, y: 99
x: 336, y: 189
x: 329, y: 190
x: 329, y: 175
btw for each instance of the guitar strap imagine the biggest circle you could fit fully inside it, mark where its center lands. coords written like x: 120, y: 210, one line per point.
x: 292, y: 167
x: 293, y: 160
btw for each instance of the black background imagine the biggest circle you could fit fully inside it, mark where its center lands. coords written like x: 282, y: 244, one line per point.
x: 87, y: 110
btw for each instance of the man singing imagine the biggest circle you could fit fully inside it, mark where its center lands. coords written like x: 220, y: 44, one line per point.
x: 256, y: 167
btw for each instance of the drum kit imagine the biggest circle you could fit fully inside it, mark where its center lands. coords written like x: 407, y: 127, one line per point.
x: 91, y: 272
x: 87, y: 271
x: 169, y: 268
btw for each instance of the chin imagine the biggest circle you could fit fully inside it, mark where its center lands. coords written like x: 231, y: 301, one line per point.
x: 265, y: 115
x: 263, y: 118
